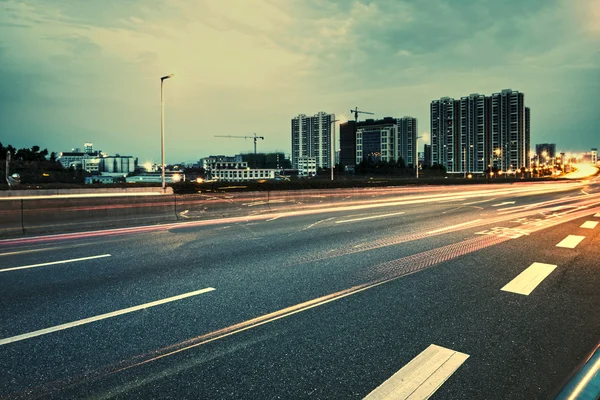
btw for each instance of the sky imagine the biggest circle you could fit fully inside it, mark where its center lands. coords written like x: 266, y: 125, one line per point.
x: 75, y: 71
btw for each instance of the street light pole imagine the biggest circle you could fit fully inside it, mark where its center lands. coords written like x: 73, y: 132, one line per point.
x: 332, y: 158
x: 417, y: 147
x: 7, y: 166
x: 162, y: 130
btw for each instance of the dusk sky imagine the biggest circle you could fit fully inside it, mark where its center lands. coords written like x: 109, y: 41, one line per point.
x: 73, y: 71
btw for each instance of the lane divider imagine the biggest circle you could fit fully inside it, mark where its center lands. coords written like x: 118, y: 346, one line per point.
x: 589, y: 224
x: 529, y: 279
x: 422, y: 377
x: 571, y: 241
x: 84, y: 321
x: 54, y: 263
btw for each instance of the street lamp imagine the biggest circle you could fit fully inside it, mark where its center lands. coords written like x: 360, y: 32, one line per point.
x: 332, y: 158
x: 162, y: 130
x: 417, y: 147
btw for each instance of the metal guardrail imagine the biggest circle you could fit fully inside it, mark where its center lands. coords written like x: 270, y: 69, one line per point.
x: 584, y: 382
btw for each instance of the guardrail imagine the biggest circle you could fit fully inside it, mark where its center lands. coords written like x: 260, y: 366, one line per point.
x: 584, y: 382
x: 68, y: 213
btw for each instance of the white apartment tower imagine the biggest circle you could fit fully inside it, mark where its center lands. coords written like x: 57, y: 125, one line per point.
x: 311, y: 137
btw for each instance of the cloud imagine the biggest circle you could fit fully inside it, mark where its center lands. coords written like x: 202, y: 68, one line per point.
x: 250, y: 66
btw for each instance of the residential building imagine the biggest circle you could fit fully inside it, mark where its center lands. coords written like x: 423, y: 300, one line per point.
x: 406, y: 138
x: 311, y: 137
x: 307, y: 166
x: 427, y: 155
x: 387, y: 139
x: 444, y: 133
x: 477, y: 132
x: 594, y: 154
x: 543, y: 150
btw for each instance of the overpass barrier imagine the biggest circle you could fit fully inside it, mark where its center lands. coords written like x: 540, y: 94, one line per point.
x: 52, y: 214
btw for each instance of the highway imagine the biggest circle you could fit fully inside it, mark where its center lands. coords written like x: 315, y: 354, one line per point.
x: 455, y: 292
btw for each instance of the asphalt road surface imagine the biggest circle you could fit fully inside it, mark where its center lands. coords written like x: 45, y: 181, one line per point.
x: 457, y: 293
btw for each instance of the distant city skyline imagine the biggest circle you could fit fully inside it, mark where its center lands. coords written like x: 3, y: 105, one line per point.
x: 74, y: 72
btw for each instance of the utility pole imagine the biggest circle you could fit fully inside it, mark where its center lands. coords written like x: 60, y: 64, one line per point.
x: 6, y: 170
x: 332, y: 158
x: 417, y: 147
x: 162, y: 131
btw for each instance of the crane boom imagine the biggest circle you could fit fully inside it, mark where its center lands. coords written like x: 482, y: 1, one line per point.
x: 356, y: 111
x: 255, y: 137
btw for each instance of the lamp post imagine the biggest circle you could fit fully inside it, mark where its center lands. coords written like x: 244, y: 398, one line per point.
x: 417, y: 147
x: 332, y: 158
x: 162, y: 130
x: 7, y: 167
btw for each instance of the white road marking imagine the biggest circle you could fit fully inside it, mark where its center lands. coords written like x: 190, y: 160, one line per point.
x: 571, y: 241
x: 589, y: 224
x: 371, y: 217
x: 422, y: 377
x: 597, y: 215
x: 274, y: 218
x: 318, y: 222
x: 502, y: 204
x: 529, y: 279
x: 452, y: 200
x: 453, y: 226
x: 100, y: 317
x: 54, y: 263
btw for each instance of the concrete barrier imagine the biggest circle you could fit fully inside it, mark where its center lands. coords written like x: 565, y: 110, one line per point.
x: 54, y: 192
x: 71, y: 214
x: 10, y: 218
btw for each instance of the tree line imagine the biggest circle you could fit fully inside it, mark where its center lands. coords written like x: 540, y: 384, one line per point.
x: 35, y: 165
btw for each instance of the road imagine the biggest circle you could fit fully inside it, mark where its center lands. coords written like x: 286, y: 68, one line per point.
x: 458, y: 293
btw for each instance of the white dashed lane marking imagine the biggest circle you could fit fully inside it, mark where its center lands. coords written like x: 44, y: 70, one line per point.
x: 420, y: 378
x: 529, y: 279
x: 571, y: 241
x: 589, y: 224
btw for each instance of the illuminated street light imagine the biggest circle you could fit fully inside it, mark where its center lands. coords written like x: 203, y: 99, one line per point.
x: 162, y: 130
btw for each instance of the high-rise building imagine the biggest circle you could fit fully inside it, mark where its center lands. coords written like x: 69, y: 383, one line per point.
x: 548, y: 148
x: 388, y: 139
x: 311, y: 137
x: 477, y: 132
x: 594, y: 153
x: 508, y: 129
x: 444, y: 133
x: 475, y: 151
x: 407, y: 141
x: 427, y: 155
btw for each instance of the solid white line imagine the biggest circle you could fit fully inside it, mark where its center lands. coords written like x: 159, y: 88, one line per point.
x: 529, y: 279
x: 371, y: 217
x: 422, y: 377
x: 571, y: 241
x: 589, y: 224
x: 54, y: 263
x: 453, y: 226
x: 502, y: 204
x: 101, y: 317
x: 274, y: 218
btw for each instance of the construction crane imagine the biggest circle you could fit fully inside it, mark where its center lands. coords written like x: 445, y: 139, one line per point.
x: 356, y: 111
x: 255, y: 137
